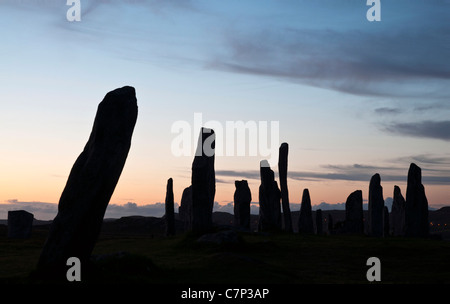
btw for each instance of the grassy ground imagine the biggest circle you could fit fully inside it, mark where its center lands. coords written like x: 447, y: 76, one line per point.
x: 257, y: 259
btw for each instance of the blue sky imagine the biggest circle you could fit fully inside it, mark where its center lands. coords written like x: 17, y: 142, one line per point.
x: 353, y: 98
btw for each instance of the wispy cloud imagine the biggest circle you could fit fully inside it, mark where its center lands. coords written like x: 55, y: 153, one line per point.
x: 154, y: 6
x: 361, y: 172
x: 387, y: 111
x: 425, y: 129
x: 354, y: 61
x: 433, y: 160
x: 395, y: 58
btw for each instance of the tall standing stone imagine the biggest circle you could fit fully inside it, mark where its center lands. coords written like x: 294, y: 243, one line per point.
x: 269, y: 200
x: 242, y: 200
x: 185, y: 209
x: 354, y: 223
x: 305, y: 221
x: 376, y: 205
x: 319, y: 223
x: 91, y: 183
x: 203, y: 182
x: 282, y: 170
x: 416, y: 208
x: 385, y: 221
x: 330, y: 224
x: 170, y: 209
x: 20, y: 224
x: 398, y: 213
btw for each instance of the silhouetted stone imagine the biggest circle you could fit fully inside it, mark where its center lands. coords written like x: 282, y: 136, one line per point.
x: 330, y: 223
x: 376, y: 205
x: 91, y: 183
x: 398, y: 213
x: 354, y: 213
x: 269, y: 200
x: 170, y: 213
x: 242, y: 200
x: 185, y: 210
x: 20, y: 224
x: 282, y: 170
x: 305, y: 221
x: 416, y: 208
x: 319, y: 224
x: 385, y: 221
x: 203, y: 182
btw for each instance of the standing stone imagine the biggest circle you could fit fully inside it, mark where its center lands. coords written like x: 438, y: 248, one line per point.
x: 242, y: 200
x: 20, y: 224
x: 416, y: 208
x: 354, y: 223
x: 376, y: 205
x: 398, y: 213
x: 203, y: 182
x: 170, y: 209
x: 319, y: 224
x: 385, y: 221
x: 91, y: 183
x: 330, y: 223
x: 282, y: 170
x: 185, y: 210
x: 269, y: 200
x: 305, y: 221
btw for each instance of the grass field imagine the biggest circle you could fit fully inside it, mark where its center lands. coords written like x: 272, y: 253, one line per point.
x: 256, y: 259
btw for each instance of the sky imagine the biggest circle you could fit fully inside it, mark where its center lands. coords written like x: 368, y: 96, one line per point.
x: 351, y: 97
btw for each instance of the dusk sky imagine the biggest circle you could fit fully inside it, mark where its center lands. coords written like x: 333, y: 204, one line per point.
x: 351, y: 97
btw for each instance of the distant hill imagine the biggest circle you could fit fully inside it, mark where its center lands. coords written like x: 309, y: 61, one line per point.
x: 148, y: 225
x: 35, y: 222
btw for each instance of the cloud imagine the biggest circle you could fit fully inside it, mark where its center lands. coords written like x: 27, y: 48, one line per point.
x: 155, y: 6
x: 394, y: 61
x: 250, y: 174
x: 425, y: 129
x: 48, y: 211
x: 40, y: 210
x: 431, y: 159
x: 397, y: 59
x: 130, y: 208
x: 387, y: 111
x: 363, y: 173
x: 440, y: 105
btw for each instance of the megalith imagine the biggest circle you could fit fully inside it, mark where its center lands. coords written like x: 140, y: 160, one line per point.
x: 376, y: 206
x: 20, y: 224
x: 242, y: 199
x: 305, y: 221
x: 354, y: 223
x: 398, y: 213
x: 330, y: 224
x: 385, y: 221
x: 282, y: 171
x: 269, y: 200
x: 416, y: 207
x: 319, y: 222
x: 203, y: 182
x: 169, y: 208
x: 185, y: 209
x: 91, y: 183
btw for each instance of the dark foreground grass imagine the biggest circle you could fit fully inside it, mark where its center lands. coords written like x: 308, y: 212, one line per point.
x: 256, y: 259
